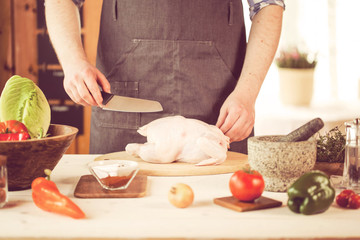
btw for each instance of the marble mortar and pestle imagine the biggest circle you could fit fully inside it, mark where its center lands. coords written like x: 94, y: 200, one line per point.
x: 282, y: 159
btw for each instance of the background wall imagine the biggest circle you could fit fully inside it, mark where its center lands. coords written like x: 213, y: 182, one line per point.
x: 327, y: 28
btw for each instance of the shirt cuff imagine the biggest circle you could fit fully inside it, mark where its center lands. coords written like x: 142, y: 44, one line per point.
x: 257, y: 5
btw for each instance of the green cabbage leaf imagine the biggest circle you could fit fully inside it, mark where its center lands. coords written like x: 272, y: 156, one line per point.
x: 22, y: 100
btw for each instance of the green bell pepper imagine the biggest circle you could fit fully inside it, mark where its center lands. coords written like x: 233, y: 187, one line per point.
x: 310, y: 194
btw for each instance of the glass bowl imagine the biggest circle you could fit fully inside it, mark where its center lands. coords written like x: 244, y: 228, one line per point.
x: 114, y: 174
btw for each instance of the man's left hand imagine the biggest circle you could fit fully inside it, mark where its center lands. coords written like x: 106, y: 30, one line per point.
x: 237, y: 117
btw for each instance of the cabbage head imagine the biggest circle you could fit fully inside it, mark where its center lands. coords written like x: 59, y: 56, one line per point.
x: 22, y: 100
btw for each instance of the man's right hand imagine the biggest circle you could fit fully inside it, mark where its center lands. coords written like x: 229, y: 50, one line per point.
x: 82, y: 79
x: 82, y: 82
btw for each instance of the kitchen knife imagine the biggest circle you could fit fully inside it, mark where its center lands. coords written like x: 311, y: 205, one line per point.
x: 128, y: 104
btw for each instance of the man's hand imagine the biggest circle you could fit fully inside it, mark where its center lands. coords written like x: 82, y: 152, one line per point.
x: 237, y: 117
x: 82, y: 80
x: 82, y: 83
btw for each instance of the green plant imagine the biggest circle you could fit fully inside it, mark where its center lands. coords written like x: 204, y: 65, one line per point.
x: 294, y: 58
x: 331, y: 146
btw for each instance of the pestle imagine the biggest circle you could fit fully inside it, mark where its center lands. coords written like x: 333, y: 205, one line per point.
x: 304, y: 132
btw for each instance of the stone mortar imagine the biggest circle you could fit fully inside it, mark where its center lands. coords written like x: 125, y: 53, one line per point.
x: 280, y: 163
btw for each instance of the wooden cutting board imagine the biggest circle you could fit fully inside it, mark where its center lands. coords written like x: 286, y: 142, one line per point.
x: 89, y: 187
x: 237, y: 205
x: 234, y: 161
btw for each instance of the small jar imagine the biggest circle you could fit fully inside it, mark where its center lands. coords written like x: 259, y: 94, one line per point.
x: 3, y: 181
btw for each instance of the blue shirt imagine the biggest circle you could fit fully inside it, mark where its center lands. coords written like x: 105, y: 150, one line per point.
x: 254, y: 5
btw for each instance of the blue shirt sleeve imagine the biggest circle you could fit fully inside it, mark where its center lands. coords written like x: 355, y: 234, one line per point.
x: 257, y: 5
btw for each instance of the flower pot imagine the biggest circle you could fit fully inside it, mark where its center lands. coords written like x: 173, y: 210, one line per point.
x: 296, y: 86
x: 330, y: 168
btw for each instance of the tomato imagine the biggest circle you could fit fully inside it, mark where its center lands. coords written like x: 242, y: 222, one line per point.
x: 246, y: 185
x: 343, y: 198
x: 181, y: 195
x: 13, y: 130
x: 12, y: 126
x: 2, y: 127
x: 14, y: 136
x: 354, y: 201
x: 348, y: 199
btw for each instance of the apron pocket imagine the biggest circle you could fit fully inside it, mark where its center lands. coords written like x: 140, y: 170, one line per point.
x: 114, y: 119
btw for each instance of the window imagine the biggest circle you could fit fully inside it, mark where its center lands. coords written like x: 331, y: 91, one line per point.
x: 329, y: 28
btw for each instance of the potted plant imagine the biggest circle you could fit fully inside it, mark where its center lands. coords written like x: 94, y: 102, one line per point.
x: 296, y: 75
x: 330, y: 152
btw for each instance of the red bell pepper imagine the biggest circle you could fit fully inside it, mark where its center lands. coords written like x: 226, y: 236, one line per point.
x: 47, y: 197
x: 13, y: 130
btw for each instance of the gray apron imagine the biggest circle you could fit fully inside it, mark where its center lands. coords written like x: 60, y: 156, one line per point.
x: 186, y: 54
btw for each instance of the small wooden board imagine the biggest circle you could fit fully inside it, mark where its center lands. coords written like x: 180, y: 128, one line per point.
x: 237, y: 205
x: 233, y: 162
x: 89, y: 187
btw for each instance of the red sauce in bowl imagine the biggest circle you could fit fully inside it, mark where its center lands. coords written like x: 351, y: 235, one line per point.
x: 115, y: 182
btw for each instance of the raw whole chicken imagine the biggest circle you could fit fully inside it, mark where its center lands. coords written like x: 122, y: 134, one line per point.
x: 177, y: 138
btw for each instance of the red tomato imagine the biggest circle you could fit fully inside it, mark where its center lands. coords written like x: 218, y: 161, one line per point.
x: 12, y: 126
x: 343, y: 198
x: 14, y: 136
x: 348, y: 199
x: 13, y: 130
x: 354, y: 201
x: 246, y: 185
x: 2, y: 127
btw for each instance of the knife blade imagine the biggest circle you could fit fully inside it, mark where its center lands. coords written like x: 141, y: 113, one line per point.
x: 114, y: 102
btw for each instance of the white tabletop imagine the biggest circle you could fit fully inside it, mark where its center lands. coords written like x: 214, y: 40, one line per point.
x: 153, y: 217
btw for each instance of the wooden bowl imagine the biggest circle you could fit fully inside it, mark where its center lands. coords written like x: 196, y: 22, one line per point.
x: 26, y: 160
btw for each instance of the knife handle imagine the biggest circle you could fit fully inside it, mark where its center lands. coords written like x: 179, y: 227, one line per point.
x: 106, y: 97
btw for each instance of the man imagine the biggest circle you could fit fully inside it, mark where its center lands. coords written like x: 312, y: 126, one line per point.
x: 190, y: 55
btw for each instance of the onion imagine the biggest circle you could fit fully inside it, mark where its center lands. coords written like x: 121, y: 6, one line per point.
x: 181, y: 195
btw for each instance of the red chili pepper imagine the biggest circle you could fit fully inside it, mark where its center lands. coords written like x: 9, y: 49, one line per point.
x: 47, y: 197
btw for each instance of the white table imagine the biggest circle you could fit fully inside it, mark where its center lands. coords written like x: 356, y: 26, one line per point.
x: 153, y: 217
